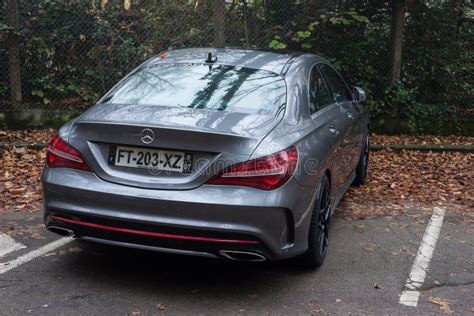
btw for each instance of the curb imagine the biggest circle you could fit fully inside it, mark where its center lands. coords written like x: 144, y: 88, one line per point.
x: 23, y: 144
x: 427, y: 147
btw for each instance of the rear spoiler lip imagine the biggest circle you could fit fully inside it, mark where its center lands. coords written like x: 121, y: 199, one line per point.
x: 176, y: 128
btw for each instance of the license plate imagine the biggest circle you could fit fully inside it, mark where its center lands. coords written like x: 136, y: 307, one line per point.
x: 155, y: 159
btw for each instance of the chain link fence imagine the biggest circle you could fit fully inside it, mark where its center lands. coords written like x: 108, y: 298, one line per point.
x: 414, y: 58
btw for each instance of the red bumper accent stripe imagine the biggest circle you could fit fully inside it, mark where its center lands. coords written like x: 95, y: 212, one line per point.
x: 161, y: 235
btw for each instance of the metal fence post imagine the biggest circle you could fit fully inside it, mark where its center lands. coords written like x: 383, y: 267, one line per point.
x: 13, y: 45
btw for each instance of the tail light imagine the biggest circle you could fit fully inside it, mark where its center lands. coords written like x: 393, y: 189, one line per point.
x: 265, y: 173
x: 60, y: 154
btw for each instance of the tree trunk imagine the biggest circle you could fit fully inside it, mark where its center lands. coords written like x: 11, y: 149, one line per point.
x: 218, y: 19
x: 397, y: 29
x: 246, y: 27
x: 13, y: 45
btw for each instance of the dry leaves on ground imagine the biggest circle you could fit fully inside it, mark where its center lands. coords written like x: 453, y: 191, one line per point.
x: 402, y: 179
x: 33, y: 136
x: 20, y: 175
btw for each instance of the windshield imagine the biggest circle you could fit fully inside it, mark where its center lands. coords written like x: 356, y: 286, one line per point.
x: 203, y: 86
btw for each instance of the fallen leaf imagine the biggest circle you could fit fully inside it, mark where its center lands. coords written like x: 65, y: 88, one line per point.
x: 443, y: 305
x: 126, y: 4
x: 160, y: 307
x: 16, y: 191
x: 103, y: 3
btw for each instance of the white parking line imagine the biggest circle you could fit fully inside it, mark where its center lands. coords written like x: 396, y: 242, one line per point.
x: 7, y: 266
x: 8, y: 244
x: 420, y: 267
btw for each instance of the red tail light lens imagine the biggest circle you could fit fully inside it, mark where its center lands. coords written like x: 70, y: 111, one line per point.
x: 265, y: 173
x: 60, y: 154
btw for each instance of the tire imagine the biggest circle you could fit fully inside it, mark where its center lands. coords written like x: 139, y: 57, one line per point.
x: 319, y: 228
x: 363, y: 165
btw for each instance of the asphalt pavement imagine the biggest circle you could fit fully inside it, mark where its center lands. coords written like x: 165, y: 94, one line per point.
x: 365, y: 272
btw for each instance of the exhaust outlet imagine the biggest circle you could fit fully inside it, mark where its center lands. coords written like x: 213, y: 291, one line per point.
x: 61, y: 231
x: 241, y: 255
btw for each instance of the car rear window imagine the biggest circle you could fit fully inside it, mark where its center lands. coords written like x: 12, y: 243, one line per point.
x: 203, y: 86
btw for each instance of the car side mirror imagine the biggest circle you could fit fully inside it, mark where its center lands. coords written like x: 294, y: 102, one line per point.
x: 359, y: 94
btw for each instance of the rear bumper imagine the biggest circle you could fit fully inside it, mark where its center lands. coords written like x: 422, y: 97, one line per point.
x: 202, y: 221
x: 153, y: 237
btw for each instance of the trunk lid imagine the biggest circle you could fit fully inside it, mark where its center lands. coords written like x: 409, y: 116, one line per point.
x: 215, y: 139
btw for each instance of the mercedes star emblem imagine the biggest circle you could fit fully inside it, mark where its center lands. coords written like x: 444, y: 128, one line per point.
x: 147, y: 136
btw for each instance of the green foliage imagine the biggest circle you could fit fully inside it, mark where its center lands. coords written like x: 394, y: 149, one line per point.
x: 276, y: 43
x: 3, y: 89
x: 436, y: 84
x: 73, y: 50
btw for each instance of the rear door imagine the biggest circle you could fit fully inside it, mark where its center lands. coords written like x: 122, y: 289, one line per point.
x: 343, y: 102
x: 325, y: 111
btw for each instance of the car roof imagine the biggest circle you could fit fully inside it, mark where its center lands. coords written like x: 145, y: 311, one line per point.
x: 264, y: 59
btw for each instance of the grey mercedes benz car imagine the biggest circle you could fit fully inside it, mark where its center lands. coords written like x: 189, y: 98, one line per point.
x: 226, y: 153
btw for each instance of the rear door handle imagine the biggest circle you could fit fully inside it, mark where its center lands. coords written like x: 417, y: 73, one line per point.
x: 333, y: 130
